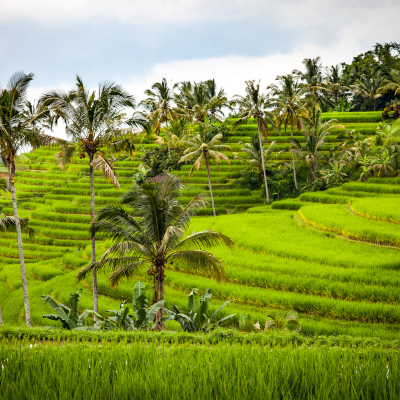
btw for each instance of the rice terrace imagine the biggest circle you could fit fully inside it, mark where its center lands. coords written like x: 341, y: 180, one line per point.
x: 195, y: 245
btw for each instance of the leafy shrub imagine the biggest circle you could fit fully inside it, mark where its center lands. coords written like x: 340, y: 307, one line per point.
x: 391, y: 112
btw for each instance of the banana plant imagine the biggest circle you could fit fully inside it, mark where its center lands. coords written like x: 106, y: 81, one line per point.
x: 143, y: 315
x: 197, y: 319
x: 68, y: 316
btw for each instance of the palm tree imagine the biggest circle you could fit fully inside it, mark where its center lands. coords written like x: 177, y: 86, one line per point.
x: 19, y: 127
x: 391, y: 82
x: 151, y: 234
x: 312, y: 76
x: 289, y: 101
x: 205, y: 151
x: 388, y: 131
x: 383, y: 163
x: 92, y: 123
x: 253, y: 152
x: 217, y: 99
x: 254, y: 105
x: 334, y: 84
x: 368, y: 86
x: 161, y: 100
x: 315, y: 133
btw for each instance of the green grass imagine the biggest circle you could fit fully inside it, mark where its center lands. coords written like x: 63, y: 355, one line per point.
x: 384, y: 209
x: 152, y: 371
x: 341, y: 220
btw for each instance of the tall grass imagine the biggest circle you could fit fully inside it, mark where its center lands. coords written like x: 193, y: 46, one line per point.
x: 384, y: 209
x: 186, y: 371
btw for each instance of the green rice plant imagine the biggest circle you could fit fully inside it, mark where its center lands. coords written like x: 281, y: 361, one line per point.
x: 70, y: 209
x: 74, y: 260
x: 49, y: 216
x: 370, y: 187
x: 209, y: 211
x: 342, y: 221
x: 77, y: 243
x: 72, y: 191
x: 35, y: 181
x: 391, y: 181
x: 227, y: 175
x: 322, y: 197
x: 59, y: 225
x: 222, y: 168
x: 111, y: 193
x: 62, y: 233
x: 353, y: 117
x: 383, y: 209
x: 33, y: 188
x: 288, y: 205
x: 45, y: 167
x: 29, y: 254
x: 47, y: 176
x: 346, y: 193
x: 99, y: 200
x: 196, y: 179
x: 62, y: 197
x: 323, y: 306
x: 127, y: 164
x: 45, y: 272
x: 258, y: 209
x: 282, y: 234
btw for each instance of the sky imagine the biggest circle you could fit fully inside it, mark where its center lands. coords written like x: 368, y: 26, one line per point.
x: 137, y: 43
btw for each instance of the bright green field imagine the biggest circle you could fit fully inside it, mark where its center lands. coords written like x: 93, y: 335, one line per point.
x: 333, y: 256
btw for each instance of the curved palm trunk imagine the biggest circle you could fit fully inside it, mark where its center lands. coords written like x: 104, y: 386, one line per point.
x: 209, y: 184
x: 20, y: 248
x: 93, y: 238
x: 294, y: 164
x: 1, y: 317
x: 263, y: 163
x: 169, y: 147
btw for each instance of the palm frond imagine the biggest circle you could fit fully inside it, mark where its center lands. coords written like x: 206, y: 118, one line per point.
x: 103, y: 164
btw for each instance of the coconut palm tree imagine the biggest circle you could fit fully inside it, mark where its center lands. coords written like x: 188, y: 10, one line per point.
x: 290, y: 103
x: 19, y: 127
x: 160, y: 99
x: 368, y: 86
x: 334, y: 83
x: 205, y: 151
x: 255, y: 105
x: 391, y: 82
x: 253, y: 152
x: 201, y: 100
x: 150, y: 232
x: 315, y: 133
x: 92, y: 122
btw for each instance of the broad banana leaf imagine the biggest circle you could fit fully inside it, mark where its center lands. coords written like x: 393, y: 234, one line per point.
x: 85, y: 314
x: 215, y: 313
x: 54, y: 317
x: 194, y: 299
x: 151, y: 313
x: 139, y: 302
x: 59, y: 310
x: 73, y: 314
x: 223, y: 319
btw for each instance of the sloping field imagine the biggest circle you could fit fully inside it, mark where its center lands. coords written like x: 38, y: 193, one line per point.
x: 333, y: 256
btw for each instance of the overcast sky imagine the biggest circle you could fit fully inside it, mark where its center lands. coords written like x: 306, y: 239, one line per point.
x: 136, y: 43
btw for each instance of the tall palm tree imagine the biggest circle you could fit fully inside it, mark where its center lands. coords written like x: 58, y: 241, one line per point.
x: 205, y: 151
x: 290, y: 102
x: 92, y: 123
x: 200, y: 100
x: 312, y: 76
x: 160, y: 98
x: 254, y: 105
x: 368, y: 86
x: 315, y: 133
x: 150, y: 233
x: 334, y: 83
x: 255, y: 154
x: 19, y: 127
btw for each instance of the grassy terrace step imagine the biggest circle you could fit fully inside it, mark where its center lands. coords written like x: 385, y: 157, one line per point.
x: 279, y: 233
x: 341, y: 220
x: 372, y: 208
x: 370, y: 187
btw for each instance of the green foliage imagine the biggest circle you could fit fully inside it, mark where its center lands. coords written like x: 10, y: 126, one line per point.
x: 68, y: 316
x: 196, y: 320
x: 158, y: 161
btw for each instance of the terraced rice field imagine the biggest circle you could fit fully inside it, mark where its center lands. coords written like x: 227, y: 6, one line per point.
x: 333, y: 256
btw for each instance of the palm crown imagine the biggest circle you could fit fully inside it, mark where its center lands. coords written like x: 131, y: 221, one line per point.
x: 150, y: 231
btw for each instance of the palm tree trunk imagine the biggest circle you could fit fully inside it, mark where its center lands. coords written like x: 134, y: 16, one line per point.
x: 20, y: 248
x: 294, y: 164
x: 263, y: 163
x: 374, y: 104
x: 209, y: 184
x: 169, y: 147
x: 93, y: 238
x: 1, y: 317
